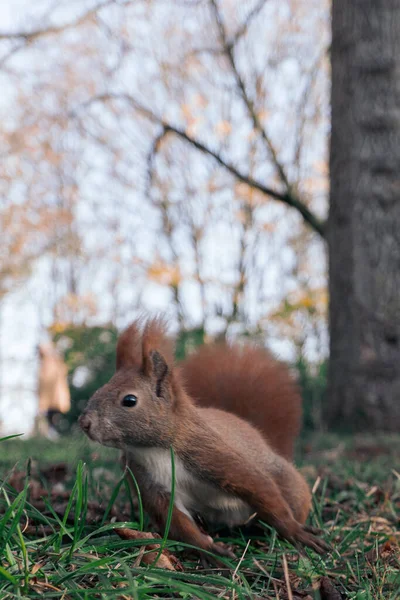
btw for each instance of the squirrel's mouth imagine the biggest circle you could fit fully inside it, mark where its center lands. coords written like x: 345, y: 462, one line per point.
x: 110, y: 443
x: 104, y: 440
x: 99, y: 430
x: 91, y: 436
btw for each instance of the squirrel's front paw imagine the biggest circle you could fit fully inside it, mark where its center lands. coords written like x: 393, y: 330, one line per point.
x: 222, y: 549
x: 218, y: 549
x: 305, y: 537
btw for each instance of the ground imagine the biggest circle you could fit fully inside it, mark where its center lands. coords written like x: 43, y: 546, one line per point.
x: 60, y: 501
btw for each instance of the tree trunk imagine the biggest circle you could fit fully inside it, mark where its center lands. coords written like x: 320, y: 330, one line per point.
x: 364, y: 219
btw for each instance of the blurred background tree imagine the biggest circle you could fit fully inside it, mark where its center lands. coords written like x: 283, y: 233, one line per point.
x: 184, y: 147
x: 364, y: 216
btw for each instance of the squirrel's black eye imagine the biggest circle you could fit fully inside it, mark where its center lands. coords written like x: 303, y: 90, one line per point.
x: 129, y: 400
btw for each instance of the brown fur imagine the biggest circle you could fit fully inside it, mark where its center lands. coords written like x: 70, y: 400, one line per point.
x: 224, y: 466
x: 139, y: 339
x: 248, y: 382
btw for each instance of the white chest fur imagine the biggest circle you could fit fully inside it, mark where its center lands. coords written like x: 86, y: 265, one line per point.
x: 192, y: 495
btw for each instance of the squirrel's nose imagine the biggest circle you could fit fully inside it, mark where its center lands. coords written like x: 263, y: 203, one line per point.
x: 85, y: 422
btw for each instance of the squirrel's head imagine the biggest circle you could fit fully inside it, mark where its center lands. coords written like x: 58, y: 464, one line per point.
x: 137, y: 406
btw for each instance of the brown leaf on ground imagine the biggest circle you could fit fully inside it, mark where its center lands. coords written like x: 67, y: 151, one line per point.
x: 36, y: 568
x: 17, y: 480
x: 55, y: 473
x: 328, y: 590
x: 42, y: 586
x: 376, y: 523
x: 59, y: 498
x: 38, y: 530
x: 391, y: 546
x: 333, y: 454
x: 166, y: 560
x: 334, y: 482
x: 364, y: 451
x: 389, y: 552
x: 297, y: 595
x: 377, y: 495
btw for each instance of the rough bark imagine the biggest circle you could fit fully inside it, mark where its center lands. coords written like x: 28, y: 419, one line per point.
x: 364, y: 221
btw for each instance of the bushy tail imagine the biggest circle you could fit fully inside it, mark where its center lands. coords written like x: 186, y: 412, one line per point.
x: 250, y: 383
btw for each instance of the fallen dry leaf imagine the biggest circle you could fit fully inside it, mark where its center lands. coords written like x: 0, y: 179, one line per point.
x: 55, y: 473
x: 328, y: 590
x: 36, y: 568
x: 39, y: 529
x: 166, y: 560
x: 40, y: 586
x: 389, y: 552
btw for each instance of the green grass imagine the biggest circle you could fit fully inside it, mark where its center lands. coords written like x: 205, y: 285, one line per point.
x: 64, y: 546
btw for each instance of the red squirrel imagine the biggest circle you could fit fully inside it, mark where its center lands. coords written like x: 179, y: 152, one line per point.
x: 248, y: 382
x: 225, y: 470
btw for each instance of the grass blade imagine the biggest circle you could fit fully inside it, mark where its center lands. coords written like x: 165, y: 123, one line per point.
x: 4, y: 573
x: 139, y: 496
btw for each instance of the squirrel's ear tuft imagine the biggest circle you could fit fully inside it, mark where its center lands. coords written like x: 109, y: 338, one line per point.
x: 158, y: 355
x: 129, y: 347
x: 155, y: 337
x: 136, y: 343
x: 158, y: 369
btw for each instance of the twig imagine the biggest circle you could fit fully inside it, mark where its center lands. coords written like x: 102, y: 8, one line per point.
x: 286, y: 197
x: 287, y: 580
x: 316, y: 485
x: 29, y: 36
x: 228, y: 48
x: 245, y: 25
x: 241, y: 559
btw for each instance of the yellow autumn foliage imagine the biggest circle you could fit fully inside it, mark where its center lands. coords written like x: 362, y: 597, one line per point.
x: 57, y: 327
x: 164, y: 274
x: 73, y: 306
x: 248, y: 195
x: 223, y: 128
x: 311, y: 300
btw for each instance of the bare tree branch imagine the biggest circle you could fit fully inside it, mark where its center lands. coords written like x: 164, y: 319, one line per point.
x: 151, y: 157
x: 285, y: 197
x: 290, y: 196
x: 11, y: 52
x: 29, y: 36
x: 240, y: 284
x: 195, y: 236
x: 228, y: 49
x: 312, y: 75
x: 168, y: 231
x: 255, y: 11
